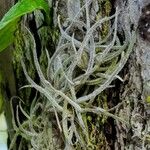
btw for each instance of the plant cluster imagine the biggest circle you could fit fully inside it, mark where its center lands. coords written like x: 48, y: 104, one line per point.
x: 83, y: 65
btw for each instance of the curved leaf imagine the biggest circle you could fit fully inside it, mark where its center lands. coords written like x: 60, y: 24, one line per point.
x: 8, y: 24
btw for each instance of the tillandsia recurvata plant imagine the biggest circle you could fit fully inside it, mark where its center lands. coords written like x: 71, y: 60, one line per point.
x: 83, y: 66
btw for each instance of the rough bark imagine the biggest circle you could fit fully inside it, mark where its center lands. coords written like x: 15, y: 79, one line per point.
x: 134, y: 92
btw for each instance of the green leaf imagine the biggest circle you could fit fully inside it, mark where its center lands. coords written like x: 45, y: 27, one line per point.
x: 9, y: 23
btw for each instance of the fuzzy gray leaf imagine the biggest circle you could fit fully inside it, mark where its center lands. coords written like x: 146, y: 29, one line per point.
x: 73, y: 8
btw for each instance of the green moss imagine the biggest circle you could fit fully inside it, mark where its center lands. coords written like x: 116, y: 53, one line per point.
x: 104, y: 10
x: 23, y: 51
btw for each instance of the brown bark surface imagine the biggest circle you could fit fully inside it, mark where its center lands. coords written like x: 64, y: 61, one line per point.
x: 135, y: 90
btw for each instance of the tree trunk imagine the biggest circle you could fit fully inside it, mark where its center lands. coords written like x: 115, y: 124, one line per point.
x: 76, y: 107
x: 135, y: 90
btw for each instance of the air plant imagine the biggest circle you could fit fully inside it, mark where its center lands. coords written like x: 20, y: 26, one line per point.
x: 79, y: 70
